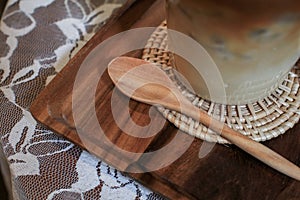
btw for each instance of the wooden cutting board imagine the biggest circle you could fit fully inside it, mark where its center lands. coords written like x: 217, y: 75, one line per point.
x: 225, y: 173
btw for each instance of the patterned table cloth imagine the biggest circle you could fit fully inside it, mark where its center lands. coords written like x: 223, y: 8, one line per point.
x: 37, y: 38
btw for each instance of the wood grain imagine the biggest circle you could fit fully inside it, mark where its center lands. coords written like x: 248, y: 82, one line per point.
x: 226, y: 173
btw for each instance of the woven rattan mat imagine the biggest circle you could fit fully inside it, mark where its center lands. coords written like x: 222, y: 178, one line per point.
x: 262, y: 120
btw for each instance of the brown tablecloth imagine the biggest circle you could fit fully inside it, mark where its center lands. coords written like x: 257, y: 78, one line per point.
x: 37, y: 38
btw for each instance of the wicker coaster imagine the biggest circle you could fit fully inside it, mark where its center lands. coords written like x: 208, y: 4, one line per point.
x: 262, y: 120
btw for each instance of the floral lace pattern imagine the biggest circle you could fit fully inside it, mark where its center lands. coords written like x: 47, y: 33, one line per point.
x: 37, y: 39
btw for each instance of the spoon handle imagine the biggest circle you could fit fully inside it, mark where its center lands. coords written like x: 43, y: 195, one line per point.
x: 250, y: 146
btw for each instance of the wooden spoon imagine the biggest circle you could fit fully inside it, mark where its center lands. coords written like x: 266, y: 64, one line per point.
x: 145, y: 82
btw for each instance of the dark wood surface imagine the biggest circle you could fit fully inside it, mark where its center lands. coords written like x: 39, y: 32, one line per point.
x: 2, y: 6
x: 225, y: 173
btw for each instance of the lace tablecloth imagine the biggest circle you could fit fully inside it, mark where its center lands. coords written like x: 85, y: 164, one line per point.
x: 37, y: 39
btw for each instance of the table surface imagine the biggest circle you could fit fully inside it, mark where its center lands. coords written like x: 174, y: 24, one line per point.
x: 38, y: 41
x: 226, y: 172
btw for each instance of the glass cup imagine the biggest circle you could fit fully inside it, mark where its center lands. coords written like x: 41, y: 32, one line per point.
x: 254, y: 44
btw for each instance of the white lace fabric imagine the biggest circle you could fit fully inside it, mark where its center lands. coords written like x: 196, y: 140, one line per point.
x: 37, y: 39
